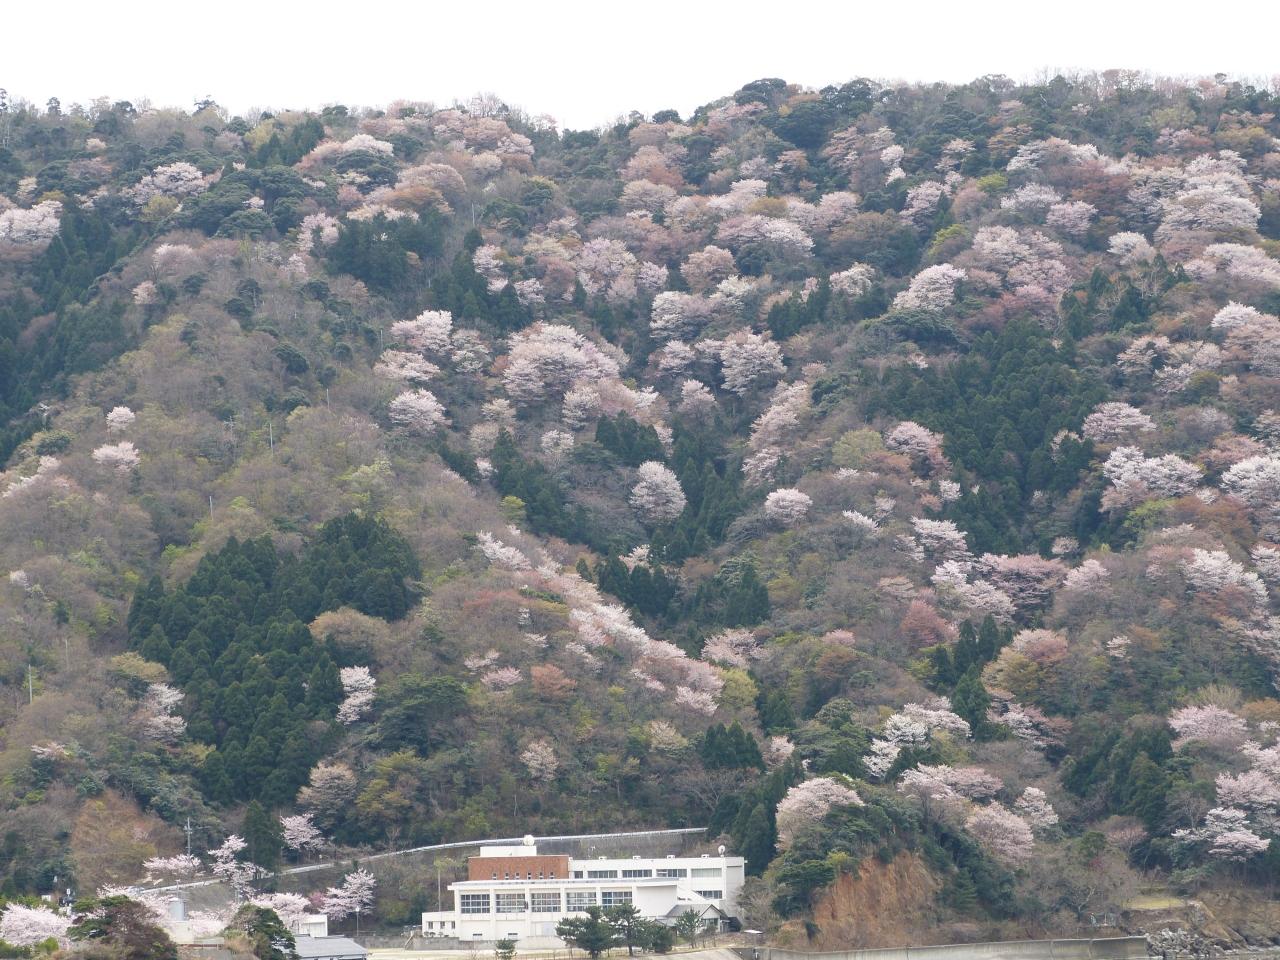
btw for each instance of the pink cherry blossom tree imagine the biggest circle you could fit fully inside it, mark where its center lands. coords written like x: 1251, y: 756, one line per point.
x: 657, y: 496
x: 810, y: 801
x: 1002, y: 833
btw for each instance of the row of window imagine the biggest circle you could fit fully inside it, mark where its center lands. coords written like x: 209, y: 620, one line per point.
x: 546, y: 901
x: 506, y: 875
x: 639, y: 874
x: 710, y: 894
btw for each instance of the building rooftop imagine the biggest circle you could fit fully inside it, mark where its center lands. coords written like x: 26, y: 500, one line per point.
x: 329, y: 948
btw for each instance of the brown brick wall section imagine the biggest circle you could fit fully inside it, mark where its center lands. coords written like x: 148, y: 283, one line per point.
x: 483, y: 868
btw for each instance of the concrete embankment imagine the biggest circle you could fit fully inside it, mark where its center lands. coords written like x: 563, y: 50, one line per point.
x: 1101, y: 948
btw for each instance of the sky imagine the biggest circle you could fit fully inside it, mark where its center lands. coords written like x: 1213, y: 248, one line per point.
x: 587, y: 63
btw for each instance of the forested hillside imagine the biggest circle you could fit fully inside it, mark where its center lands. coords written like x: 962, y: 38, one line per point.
x: 887, y: 477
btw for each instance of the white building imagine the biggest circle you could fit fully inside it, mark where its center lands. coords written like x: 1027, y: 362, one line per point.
x: 513, y: 893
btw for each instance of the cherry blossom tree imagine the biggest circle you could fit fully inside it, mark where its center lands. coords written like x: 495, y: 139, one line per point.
x: 705, y: 268
x: 777, y: 237
x: 358, y: 686
x: 175, y: 869
x: 913, y: 726
x: 1252, y: 790
x: 855, y: 281
x: 922, y: 202
x: 1226, y: 834
x: 1135, y: 477
x: 179, y: 179
x: 300, y: 833
x: 1215, y: 726
x: 1027, y: 579
x: 418, y: 410
x: 1214, y: 571
x: 123, y: 456
x: 289, y: 907
x: 429, y: 331
x: 1034, y: 807
x: 119, y: 419
x: 355, y: 894
x: 1002, y: 833
x: 487, y: 261
x: 1087, y: 578
x: 546, y: 360
x: 657, y: 496
x: 501, y: 678
x: 330, y: 789
x: 24, y: 926
x: 1034, y: 199
x: 787, y: 506
x: 696, y: 400
x: 1130, y: 248
x: 932, y: 289
x: 500, y: 554
x: 403, y: 365
x: 810, y: 801
x: 1073, y: 218
x: 33, y: 228
x: 1113, y: 420
x: 679, y: 316
x: 1255, y: 482
x: 156, y: 716
x: 940, y: 539
x: 733, y: 648
x: 1235, y: 315
x: 237, y: 874
x: 748, y: 360
x: 540, y: 759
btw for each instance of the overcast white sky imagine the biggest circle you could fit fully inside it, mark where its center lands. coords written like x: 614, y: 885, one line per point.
x: 588, y: 62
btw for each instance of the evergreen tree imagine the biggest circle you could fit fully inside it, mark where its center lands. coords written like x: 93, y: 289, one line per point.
x: 262, y: 836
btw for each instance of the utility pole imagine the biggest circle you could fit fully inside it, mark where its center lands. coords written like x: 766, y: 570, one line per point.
x: 271, y: 438
x: 211, y: 507
x: 187, y: 830
x: 31, y: 695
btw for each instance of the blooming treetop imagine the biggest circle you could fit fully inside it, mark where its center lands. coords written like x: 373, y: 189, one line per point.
x: 657, y: 496
x: 1002, y: 833
x: 810, y: 801
x: 353, y: 895
x: 24, y: 926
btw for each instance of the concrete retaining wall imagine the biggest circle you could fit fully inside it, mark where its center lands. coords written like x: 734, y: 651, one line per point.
x: 1101, y: 948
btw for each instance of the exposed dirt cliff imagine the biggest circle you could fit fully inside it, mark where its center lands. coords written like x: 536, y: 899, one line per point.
x: 880, y: 905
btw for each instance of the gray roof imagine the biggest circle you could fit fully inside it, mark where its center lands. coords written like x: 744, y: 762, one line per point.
x: 329, y: 948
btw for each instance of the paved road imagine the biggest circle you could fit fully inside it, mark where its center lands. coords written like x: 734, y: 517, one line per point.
x: 384, y: 953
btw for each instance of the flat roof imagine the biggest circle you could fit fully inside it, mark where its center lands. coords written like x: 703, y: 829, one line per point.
x: 323, y: 948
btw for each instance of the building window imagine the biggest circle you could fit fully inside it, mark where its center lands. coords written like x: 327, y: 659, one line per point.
x: 706, y: 871
x: 474, y: 903
x: 581, y: 899
x: 636, y: 874
x: 552, y: 874
x: 672, y: 873
x: 577, y: 874
x: 612, y: 898
x: 710, y: 894
x: 510, y: 903
x: 602, y: 874
x: 545, y: 902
